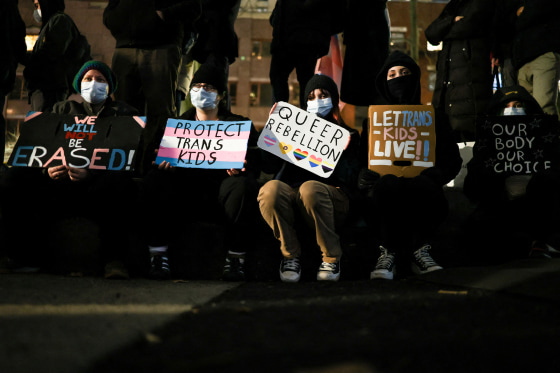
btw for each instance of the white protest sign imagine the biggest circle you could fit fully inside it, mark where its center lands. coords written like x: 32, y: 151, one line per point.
x: 204, y: 144
x: 303, y: 139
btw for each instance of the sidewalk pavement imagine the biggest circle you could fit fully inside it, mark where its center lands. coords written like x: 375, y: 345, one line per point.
x: 463, y: 319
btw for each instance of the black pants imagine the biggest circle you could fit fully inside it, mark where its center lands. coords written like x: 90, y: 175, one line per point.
x: 405, y: 212
x: 282, y: 65
x: 174, y: 200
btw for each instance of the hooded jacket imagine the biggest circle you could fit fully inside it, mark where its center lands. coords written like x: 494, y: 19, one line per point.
x: 48, y: 66
x: 485, y: 185
x: 12, y: 43
x: 448, y: 160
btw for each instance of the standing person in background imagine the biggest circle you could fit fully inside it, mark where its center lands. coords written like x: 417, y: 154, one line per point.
x: 366, y: 36
x: 536, y: 50
x: 13, y: 45
x: 323, y: 204
x: 301, y: 33
x: 388, y: 198
x: 464, y: 72
x: 149, y: 36
x: 48, y: 72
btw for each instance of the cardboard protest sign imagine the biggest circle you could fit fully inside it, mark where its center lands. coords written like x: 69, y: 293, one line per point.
x: 204, y: 144
x: 519, y: 144
x: 402, y: 139
x: 78, y: 141
x: 303, y: 139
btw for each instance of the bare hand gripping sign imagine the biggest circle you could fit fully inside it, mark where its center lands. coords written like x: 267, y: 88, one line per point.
x: 303, y: 139
x: 204, y: 144
x: 78, y: 141
x: 402, y: 139
x: 519, y: 144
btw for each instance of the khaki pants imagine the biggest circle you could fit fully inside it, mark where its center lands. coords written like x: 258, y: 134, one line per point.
x: 323, y: 207
x: 540, y: 77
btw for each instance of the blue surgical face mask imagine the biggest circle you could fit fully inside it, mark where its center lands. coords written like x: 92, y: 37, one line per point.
x: 37, y: 16
x: 514, y: 111
x: 204, y: 100
x: 94, y: 92
x: 321, y: 106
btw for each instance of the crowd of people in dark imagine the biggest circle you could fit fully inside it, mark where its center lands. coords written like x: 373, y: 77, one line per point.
x: 155, y: 40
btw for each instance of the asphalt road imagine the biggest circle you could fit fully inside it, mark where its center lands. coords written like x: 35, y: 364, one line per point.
x: 467, y: 319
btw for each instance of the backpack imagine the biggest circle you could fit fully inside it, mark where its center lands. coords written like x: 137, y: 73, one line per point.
x: 78, y: 53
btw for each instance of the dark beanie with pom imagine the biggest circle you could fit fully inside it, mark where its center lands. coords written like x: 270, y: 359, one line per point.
x: 323, y: 82
x: 102, y: 68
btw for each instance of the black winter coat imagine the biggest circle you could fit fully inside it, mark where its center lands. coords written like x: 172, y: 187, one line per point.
x: 12, y: 43
x: 49, y: 66
x: 110, y: 108
x: 464, y: 75
x: 135, y: 23
x: 305, y: 25
x: 537, y: 31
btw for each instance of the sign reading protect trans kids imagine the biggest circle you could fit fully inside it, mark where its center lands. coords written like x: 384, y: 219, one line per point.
x: 78, y: 141
x: 303, y: 139
x: 402, y: 139
x: 204, y: 144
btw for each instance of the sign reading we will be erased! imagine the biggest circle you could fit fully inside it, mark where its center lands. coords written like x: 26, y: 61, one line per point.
x: 303, y: 139
x: 204, y: 144
x: 402, y: 139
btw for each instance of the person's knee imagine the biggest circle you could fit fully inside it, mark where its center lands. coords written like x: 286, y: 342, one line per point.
x: 269, y: 194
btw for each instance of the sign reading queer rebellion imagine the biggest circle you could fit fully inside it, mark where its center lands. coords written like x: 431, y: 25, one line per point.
x: 303, y: 139
x: 204, y: 144
x: 78, y: 141
x: 402, y: 139
x: 520, y: 144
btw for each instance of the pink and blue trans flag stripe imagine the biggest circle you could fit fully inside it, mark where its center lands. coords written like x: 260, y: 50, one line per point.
x: 204, y: 144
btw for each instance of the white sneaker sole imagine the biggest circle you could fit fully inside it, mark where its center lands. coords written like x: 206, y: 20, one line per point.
x: 382, y: 275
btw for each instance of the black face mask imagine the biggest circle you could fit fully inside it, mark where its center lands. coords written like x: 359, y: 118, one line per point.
x: 402, y: 89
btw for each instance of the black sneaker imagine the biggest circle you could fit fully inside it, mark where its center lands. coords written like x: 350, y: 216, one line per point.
x: 290, y: 270
x: 540, y: 249
x: 159, y: 269
x: 422, y: 262
x: 329, y: 272
x: 385, y: 267
x: 234, y: 269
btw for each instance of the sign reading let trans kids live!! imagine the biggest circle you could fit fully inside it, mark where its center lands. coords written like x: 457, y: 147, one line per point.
x: 303, y: 139
x: 402, y: 139
x: 78, y: 141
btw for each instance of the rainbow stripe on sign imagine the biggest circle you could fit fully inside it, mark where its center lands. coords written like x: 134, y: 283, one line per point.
x: 300, y: 154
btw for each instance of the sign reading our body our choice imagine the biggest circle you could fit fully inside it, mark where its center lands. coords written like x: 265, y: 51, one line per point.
x: 78, y: 141
x: 402, y: 139
x: 204, y: 144
x: 303, y: 139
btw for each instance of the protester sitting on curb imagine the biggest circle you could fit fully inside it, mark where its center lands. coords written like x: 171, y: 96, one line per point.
x: 324, y: 204
x: 106, y: 197
x: 523, y: 205
x: 228, y: 195
x: 390, y: 198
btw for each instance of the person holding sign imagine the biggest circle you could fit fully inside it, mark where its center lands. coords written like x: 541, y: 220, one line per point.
x: 324, y: 203
x: 392, y: 202
x: 227, y: 194
x: 106, y: 197
x: 523, y: 199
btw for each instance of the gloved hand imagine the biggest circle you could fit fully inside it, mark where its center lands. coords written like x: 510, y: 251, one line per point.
x: 367, y: 179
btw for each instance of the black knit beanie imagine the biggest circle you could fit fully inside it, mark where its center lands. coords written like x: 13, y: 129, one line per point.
x: 210, y: 75
x: 323, y: 82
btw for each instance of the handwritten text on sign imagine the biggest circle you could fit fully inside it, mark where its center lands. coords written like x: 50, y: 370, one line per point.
x: 78, y: 141
x: 303, y: 139
x: 518, y: 144
x: 402, y: 139
x: 204, y: 144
